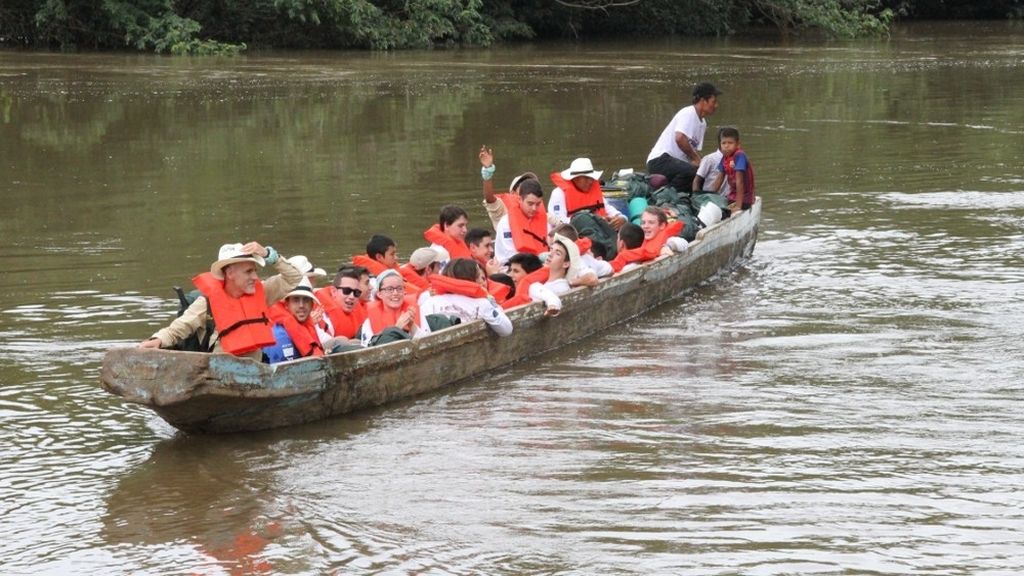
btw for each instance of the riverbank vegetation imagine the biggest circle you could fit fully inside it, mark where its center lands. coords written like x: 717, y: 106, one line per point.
x: 229, y: 26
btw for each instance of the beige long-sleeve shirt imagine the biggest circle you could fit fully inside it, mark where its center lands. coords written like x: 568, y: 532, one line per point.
x: 193, y: 320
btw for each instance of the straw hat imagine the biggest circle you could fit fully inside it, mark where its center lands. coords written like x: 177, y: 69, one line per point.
x: 581, y: 167
x: 519, y: 180
x: 573, y: 253
x: 306, y: 267
x: 233, y: 254
x: 423, y: 257
x: 304, y: 290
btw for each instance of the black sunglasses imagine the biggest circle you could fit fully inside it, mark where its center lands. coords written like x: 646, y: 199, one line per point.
x: 346, y: 291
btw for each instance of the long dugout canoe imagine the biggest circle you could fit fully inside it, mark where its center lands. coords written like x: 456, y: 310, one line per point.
x: 220, y: 393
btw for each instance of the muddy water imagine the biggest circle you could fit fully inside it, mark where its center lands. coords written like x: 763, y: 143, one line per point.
x: 848, y: 401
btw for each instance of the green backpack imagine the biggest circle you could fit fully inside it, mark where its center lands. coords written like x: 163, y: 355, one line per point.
x: 193, y: 343
x: 590, y: 225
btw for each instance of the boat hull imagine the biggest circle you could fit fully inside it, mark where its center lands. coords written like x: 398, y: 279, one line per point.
x: 220, y: 393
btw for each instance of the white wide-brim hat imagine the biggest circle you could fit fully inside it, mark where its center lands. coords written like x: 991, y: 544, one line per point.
x: 581, y: 167
x: 233, y: 254
x: 306, y: 267
x: 572, y: 252
x: 304, y: 289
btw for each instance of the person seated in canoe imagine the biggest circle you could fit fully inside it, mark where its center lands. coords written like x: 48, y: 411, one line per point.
x: 422, y: 263
x: 519, y: 265
x: 238, y: 300
x: 588, y: 261
x: 737, y: 170
x: 381, y: 254
x: 631, y: 237
x: 391, y: 308
x: 365, y: 282
x: 676, y: 153
x: 481, y: 247
x: 344, y: 310
x: 460, y: 291
x: 524, y: 227
x: 497, y: 205
x: 656, y: 232
x: 450, y: 232
x: 295, y: 330
x: 578, y: 188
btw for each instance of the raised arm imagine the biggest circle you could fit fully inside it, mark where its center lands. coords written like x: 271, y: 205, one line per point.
x: 487, y: 163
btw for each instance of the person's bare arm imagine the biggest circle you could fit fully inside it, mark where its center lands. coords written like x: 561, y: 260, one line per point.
x: 487, y: 160
x: 684, y: 144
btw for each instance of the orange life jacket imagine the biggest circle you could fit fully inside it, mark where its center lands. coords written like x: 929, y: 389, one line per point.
x: 455, y: 248
x: 499, y: 290
x: 375, y: 267
x: 303, y: 334
x: 412, y: 276
x: 382, y: 317
x: 345, y: 323
x: 529, y: 235
x: 523, y: 287
x: 649, y: 250
x: 242, y: 323
x: 577, y: 200
x: 446, y: 285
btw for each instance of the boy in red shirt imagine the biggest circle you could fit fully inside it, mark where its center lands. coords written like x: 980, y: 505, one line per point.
x: 736, y: 169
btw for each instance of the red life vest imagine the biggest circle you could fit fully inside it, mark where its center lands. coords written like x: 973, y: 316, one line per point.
x: 649, y: 250
x: 303, y: 334
x: 375, y: 267
x: 729, y: 167
x: 412, y: 276
x: 382, y: 317
x: 446, y: 285
x: 455, y: 248
x: 498, y: 290
x: 523, y: 287
x: 242, y: 323
x: 530, y: 235
x: 345, y: 323
x: 577, y: 200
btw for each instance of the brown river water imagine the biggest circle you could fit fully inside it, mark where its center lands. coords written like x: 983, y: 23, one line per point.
x: 848, y: 401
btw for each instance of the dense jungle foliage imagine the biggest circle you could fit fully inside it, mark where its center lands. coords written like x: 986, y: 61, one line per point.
x: 229, y: 26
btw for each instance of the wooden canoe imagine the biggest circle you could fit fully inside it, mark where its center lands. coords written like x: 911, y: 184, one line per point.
x: 220, y: 393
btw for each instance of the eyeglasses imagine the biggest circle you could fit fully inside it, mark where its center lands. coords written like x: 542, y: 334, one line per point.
x: 346, y: 291
x: 392, y: 289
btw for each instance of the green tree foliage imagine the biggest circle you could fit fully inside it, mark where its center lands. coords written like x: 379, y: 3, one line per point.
x: 228, y: 26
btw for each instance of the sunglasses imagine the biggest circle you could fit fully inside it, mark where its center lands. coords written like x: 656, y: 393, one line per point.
x: 346, y: 291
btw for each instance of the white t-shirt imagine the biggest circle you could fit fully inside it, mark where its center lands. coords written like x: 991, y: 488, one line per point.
x: 689, y: 123
x: 708, y: 170
x: 468, y: 309
x: 556, y: 206
x: 542, y: 293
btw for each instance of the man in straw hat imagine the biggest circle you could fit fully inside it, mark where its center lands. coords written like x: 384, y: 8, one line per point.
x: 578, y: 188
x: 676, y: 153
x: 294, y: 328
x: 237, y: 299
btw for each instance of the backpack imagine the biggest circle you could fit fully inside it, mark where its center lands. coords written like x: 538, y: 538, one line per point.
x: 590, y: 225
x: 442, y: 321
x: 193, y: 343
x: 389, y: 335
